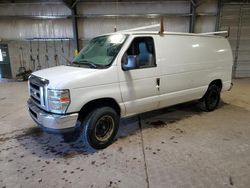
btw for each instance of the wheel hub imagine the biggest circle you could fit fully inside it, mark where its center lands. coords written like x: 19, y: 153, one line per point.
x: 104, y: 128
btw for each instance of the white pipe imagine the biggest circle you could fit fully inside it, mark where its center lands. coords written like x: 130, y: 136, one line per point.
x: 213, y: 33
x: 141, y: 28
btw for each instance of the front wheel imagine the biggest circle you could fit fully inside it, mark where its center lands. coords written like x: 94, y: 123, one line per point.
x: 211, y: 99
x: 100, y: 128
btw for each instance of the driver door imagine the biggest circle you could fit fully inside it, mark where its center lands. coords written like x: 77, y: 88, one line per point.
x: 140, y: 84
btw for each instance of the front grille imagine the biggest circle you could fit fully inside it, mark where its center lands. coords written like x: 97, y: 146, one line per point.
x: 34, y: 86
x: 35, y: 93
x: 37, y: 101
x: 33, y: 113
x: 37, y: 90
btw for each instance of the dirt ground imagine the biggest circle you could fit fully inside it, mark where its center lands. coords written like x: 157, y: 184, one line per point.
x: 180, y: 146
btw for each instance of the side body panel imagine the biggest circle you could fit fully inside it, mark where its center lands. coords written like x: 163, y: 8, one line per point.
x: 189, y: 64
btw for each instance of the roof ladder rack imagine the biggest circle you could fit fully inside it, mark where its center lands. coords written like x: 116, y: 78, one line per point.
x: 160, y: 25
x: 218, y: 33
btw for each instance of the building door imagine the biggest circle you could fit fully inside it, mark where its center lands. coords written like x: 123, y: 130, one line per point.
x: 5, y: 70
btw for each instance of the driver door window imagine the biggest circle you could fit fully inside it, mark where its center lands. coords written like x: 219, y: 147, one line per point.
x: 142, y: 52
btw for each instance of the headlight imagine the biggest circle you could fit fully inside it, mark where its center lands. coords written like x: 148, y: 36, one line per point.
x: 58, y: 100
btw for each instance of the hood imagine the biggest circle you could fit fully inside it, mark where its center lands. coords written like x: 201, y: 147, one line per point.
x: 62, y: 74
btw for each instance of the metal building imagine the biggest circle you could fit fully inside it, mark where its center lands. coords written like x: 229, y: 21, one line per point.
x: 124, y: 93
x: 40, y: 34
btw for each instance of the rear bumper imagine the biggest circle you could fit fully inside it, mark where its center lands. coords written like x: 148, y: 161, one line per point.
x: 52, y: 123
x: 227, y: 85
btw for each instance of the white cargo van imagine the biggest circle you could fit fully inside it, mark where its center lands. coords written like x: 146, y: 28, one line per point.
x: 127, y: 73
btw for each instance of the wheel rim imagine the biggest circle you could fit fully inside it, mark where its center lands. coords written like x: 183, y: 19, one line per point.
x: 104, y: 128
x: 213, y: 99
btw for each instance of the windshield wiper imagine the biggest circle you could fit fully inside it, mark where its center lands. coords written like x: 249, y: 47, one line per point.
x: 85, y: 62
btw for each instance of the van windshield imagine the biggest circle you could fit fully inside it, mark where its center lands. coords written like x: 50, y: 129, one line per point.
x: 100, y: 52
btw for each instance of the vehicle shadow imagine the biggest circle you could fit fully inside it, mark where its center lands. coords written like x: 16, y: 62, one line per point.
x: 160, y: 118
x: 54, y: 146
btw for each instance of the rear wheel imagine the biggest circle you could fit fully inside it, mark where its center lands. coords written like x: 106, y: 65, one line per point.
x: 100, y: 128
x: 211, y: 99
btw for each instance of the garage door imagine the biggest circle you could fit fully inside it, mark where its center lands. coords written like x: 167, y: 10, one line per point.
x: 237, y: 17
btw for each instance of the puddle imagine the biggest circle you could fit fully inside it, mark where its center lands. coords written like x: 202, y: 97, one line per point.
x: 73, y: 154
x: 179, y: 131
x: 158, y: 123
x: 24, y: 133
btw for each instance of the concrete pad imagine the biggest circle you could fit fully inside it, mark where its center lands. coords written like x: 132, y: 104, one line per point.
x: 179, y: 146
x: 200, y: 150
x: 13, y: 108
x: 32, y: 158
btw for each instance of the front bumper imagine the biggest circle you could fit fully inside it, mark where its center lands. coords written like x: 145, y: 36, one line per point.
x: 52, y: 123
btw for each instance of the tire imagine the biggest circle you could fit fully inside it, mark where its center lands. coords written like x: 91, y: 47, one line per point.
x: 211, y: 98
x: 99, y: 128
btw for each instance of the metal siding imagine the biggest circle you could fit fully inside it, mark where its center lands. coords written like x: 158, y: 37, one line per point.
x: 38, y: 9
x: 29, y: 28
x: 133, y: 7
x: 15, y: 53
x: 237, y: 17
x: 207, y: 7
x: 91, y: 23
x: 91, y: 26
x: 205, y: 24
x: 243, y: 64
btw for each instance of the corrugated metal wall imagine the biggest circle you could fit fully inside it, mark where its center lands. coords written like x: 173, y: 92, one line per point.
x: 206, y: 23
x: 95, y: 18
x: 93, y: 25
x: 62, y: 48
x: 15, y: 22
x: 177, y: 20
x: 237, y: 17
x: 21, y: 22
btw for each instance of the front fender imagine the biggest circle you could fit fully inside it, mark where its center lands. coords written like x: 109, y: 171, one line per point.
x: 81, y: 96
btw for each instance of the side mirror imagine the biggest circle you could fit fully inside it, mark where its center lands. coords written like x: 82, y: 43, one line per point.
x: 129, y: 62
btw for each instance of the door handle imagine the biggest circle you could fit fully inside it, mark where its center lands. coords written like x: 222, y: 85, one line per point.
x: 158, y: 83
